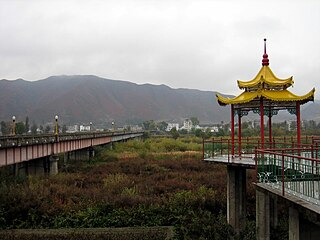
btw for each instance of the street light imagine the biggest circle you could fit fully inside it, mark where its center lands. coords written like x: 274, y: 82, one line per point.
x: 13, y: 125
x: 56, y: 127
x: 90, y: 126
x: 112, y: 125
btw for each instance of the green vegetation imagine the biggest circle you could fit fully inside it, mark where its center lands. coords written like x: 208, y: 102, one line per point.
x: 135, y: 233
x: 156, y: 182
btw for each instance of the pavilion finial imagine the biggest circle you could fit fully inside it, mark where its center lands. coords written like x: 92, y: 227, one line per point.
x: 265, y: 59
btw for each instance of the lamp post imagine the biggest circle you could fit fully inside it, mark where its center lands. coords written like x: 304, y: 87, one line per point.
x: 112, y: 125
x: 56, y: 132
x: 90, y: 126
x: 13, y: 125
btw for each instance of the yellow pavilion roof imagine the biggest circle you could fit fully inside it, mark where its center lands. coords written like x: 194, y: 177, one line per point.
x: 266, y: 79
x: 281, y: 95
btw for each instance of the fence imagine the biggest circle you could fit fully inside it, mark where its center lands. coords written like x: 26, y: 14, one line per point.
x: 293, y: 171
x: 216, y: 147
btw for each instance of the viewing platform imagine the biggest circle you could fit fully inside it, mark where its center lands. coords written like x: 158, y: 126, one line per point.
x: 285, y: 170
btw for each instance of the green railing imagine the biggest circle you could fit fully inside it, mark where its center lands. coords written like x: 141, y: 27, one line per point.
x: 294, y: 171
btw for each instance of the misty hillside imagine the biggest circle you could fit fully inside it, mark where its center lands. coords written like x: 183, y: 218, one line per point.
x: 81, y: 99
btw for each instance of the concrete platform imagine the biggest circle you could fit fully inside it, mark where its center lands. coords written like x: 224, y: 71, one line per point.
x: 245, y: 161
x: 290, y: 197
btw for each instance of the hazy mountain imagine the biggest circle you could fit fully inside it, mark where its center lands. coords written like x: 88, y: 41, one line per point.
x: 311, y: 111
x: 81, y: 99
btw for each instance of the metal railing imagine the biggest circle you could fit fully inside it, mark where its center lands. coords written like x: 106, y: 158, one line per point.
x: 216, y: 147
x: 294, y: 171
x: 22, y: 140
x: 282, y: 163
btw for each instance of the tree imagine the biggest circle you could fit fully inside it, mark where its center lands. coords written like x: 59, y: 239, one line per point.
x: 5, y: 128
x: 20, y: 128
x: 208, y: 133
x: 47, y: 129
x: 194, y: 121
x: 183, y: 131
x: 149, y: 125
x: 64, y: 128
x: 34, y: 128
x: 27, y: 126
x: 41, y: 128
x: 174, y: 133
x: 198, y: 132
x: 162, y: 125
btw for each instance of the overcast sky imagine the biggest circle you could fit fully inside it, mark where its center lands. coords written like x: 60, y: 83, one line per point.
x: 205, y: 45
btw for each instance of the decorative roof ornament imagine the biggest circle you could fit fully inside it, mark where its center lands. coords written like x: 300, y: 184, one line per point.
x: 265, y: 59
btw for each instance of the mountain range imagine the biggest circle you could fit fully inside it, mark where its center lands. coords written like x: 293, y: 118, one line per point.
x: 87, y: 98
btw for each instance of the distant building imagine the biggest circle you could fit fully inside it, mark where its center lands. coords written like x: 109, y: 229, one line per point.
x: 171, y: 126
x: 187, y: 125
x: 73, y: 129
x: 214, y: 129
x: 85, y: 128
x: 136, y: 128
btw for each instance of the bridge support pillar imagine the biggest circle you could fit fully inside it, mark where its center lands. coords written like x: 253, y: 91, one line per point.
x: 15, y: 168
x: 53, y: 160
x: 273, y: 211
x: 262, y: 215
x: 91, y: 153
x: 293, y: 224
x: 236, y: 198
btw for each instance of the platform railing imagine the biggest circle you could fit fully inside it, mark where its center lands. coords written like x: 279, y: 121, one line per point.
x: 222, y: 146
x: 294, y: 171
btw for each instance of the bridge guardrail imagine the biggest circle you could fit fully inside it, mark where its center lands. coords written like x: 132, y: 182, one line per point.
x: 22, y: 140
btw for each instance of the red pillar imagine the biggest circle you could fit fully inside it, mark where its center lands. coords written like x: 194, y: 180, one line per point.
x: 239, y: 134
x: 298, y: 124
x: 270, y: 127
x: 262, y: 123
x: 232, y: 130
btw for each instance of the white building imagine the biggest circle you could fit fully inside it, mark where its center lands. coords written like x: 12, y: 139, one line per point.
x: 171, y: 126
x: 214, y: 129
x: 73, y: 129
x: 187, y: 125
x: 85, y: 128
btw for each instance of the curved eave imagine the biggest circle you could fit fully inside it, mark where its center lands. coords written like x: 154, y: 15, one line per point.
x: 287, y: 96
x: 265, y: 75
x: 242, y: 98
x: 277, y: 96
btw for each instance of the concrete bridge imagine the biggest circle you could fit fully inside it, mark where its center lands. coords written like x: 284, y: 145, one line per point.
x: 38, y: 153
x: 285, y: 171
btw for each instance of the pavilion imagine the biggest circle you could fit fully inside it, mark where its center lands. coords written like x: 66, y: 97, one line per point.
x: 265, y: 94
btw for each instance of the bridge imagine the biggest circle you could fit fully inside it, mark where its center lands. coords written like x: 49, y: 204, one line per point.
x: 284, y: 169
x: 38, y: 153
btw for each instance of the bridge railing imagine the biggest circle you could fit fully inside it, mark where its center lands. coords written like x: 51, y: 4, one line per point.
x: 21, y: 140
x: 222, y: 146
x: 294, y: 171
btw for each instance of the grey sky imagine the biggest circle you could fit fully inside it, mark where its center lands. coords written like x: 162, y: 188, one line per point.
x: 204, y: 45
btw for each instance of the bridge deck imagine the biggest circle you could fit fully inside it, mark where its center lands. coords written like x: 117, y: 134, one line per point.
x: 245, y: 161
x: 16, y: 149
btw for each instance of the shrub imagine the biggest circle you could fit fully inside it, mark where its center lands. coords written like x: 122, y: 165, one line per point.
x: 115, y: 183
